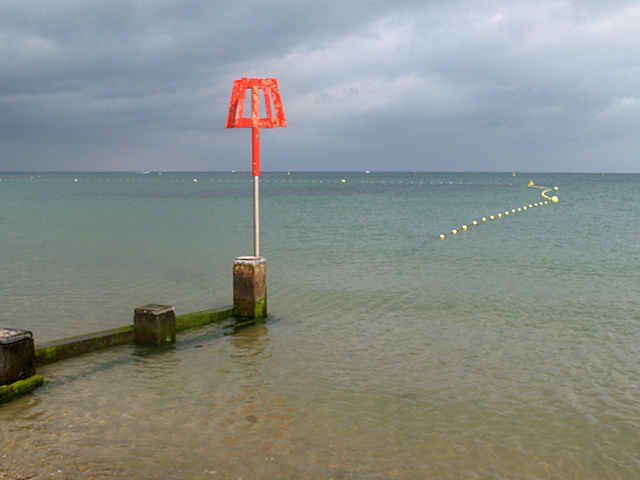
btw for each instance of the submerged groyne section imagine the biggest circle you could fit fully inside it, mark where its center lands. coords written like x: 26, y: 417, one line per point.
x: 153, y: 324
x: 53, y: 351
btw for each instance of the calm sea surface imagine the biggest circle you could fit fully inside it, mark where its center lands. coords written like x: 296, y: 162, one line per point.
x: 508, y: 351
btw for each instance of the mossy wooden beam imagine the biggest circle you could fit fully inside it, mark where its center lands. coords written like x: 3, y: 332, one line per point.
x: 50, y: 352
x: 28, y: 385
x: 198, y: 319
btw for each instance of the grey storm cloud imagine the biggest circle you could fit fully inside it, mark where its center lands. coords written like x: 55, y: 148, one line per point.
x: 522, y: 85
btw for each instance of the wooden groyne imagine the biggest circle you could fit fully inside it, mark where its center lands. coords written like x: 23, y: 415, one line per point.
x: 153, y: 324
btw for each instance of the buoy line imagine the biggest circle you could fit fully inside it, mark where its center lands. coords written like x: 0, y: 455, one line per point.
x: 247, y: 180
x: 553, y: 199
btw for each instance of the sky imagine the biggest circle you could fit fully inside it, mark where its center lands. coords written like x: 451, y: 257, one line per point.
x: 393, y: 85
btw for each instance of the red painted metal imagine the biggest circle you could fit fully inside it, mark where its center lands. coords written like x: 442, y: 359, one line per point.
x: 236, y: 118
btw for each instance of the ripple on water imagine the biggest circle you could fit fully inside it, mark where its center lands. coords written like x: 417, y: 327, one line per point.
x: 508, y: 351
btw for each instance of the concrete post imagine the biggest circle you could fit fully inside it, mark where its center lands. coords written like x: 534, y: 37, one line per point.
x: 17, y: 355
x: 155, y: 324
x: 250, y: 287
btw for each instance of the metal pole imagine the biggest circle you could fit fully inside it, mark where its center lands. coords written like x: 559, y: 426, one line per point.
x: 256, y: 216
x: 255, y: 147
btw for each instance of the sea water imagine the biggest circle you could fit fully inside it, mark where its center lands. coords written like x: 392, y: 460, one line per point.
x: 508, y: 350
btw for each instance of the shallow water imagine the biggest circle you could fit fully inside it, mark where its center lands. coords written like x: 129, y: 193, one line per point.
x: 505, y: 351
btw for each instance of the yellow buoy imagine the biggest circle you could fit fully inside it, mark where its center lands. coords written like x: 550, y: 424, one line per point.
x: 464, y: 227
x: 554, y: 199
x: 441, y: 236
x: 492, y: 217
x: 474, y: 222
x: 484, y: 219
x: 343, y: 180
x: 454, y: 231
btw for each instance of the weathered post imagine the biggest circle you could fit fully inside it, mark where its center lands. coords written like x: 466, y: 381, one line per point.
x: 249, y: 273
x: 154, y: 324
x: 17, y: 355
x: 249, y: 287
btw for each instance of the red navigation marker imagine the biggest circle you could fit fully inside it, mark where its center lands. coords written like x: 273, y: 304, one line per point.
x: 236, y: 119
